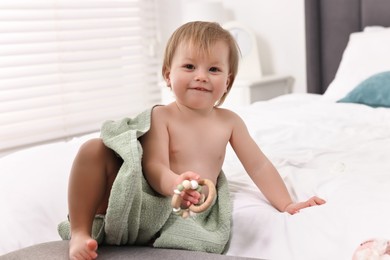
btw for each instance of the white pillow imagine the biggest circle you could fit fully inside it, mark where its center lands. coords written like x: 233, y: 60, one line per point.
x: 367, y: 53
x: 33, y: 193
x: 374, y: 28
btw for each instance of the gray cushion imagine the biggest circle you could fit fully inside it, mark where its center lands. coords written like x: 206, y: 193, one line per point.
x: 58, y: 250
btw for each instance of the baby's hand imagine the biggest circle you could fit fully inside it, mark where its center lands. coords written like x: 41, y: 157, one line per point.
x: 295, y: 207
x: 190, y: 196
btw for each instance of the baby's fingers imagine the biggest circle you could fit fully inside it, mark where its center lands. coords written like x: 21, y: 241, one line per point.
x: 313, y: 201
x: 189, y: 175
x: 191, y: 196
x: 295, y: 207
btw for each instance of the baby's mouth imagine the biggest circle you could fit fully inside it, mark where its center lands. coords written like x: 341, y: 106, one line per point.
x: 201, y: 89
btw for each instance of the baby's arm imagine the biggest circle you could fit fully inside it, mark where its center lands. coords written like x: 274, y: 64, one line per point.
x: 155, y: 157
x: 155, y: 160
x: 263, y: 172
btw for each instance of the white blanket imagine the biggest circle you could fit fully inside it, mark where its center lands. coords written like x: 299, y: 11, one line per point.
x: 339, y: 152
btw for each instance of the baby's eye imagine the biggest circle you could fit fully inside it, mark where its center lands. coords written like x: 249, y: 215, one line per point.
x: 214, y: 69
x: 189, y: 66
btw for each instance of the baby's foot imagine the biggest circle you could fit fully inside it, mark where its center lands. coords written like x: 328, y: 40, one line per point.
x: 82, y: 247
x: 388, y: 248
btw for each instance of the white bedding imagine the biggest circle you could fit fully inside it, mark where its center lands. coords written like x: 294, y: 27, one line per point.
x: 339, y: 152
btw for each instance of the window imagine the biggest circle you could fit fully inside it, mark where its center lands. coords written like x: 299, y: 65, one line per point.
x: 67, y: 66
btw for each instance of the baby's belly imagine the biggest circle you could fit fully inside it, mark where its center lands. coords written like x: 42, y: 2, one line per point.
x: 206, y: 169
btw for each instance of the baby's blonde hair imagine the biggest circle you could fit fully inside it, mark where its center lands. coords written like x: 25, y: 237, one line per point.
x: 203, y: 35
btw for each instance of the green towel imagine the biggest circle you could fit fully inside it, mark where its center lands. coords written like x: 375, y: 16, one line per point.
x: 208, y: 231
x: 137, y: 215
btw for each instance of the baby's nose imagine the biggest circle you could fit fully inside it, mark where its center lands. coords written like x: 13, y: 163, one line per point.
x: 201, y: 76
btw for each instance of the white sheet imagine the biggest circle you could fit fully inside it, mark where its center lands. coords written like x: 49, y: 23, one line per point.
x: 33, y: 193
x: 336, y: 151
x: 339, y: 152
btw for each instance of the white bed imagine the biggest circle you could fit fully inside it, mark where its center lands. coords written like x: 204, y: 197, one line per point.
x: 338, y: 151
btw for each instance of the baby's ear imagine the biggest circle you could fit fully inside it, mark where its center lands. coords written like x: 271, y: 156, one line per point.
x: 228, y: 80
x: 167, y: 78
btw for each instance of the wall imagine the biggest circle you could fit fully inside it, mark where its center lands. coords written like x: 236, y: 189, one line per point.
x: 279, y: 28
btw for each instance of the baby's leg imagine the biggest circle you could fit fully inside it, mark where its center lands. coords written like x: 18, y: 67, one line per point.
x: 93, y: 173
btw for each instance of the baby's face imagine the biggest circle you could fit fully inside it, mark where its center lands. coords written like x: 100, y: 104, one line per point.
x: 199, y: 79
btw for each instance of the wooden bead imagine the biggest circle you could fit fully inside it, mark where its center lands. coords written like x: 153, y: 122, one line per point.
x: 180, y: 187
x: 194, y: 184
x: 185, y: 214
x: 186, y: 184
x: 176, y: 201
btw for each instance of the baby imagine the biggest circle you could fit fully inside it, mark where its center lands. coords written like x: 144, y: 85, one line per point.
x: 187, y: 138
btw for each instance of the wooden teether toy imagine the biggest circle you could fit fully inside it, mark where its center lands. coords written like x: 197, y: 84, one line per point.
x: 194, y: 185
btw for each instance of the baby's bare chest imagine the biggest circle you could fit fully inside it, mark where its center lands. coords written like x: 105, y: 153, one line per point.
x: 198, y: 140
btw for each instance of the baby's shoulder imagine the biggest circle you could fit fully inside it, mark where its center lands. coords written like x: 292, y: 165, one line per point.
x: 225, y: 113
x: 160, y: 115
x: 231, y: 119
x: 161, y: 111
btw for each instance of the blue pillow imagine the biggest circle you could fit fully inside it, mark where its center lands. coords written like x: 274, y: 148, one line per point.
x: 374, y: 91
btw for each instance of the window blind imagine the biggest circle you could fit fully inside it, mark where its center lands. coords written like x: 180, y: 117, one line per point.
x: 67, y: 66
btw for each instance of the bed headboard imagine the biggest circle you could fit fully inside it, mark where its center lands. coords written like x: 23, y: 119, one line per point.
x: 328, y: 26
